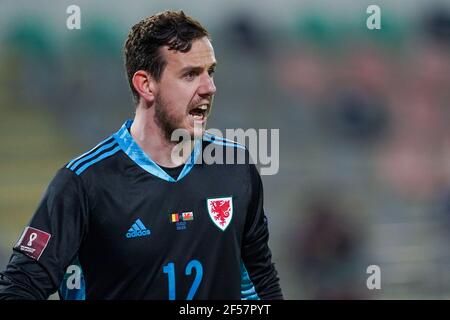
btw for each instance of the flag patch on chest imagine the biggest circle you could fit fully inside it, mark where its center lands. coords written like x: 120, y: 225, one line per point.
x: 180, y: 219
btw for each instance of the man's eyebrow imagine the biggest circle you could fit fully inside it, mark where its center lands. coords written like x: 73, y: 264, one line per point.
x: 197, y: 68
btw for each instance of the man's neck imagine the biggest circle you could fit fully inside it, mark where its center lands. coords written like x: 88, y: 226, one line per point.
x: 147, y: 134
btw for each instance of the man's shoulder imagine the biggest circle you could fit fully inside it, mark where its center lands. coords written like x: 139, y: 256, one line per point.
x: 219, y: 150
x: 102, y: 151
x: 218, y: 140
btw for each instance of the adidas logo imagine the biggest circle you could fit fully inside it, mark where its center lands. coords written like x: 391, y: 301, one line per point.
x: 137, y: 230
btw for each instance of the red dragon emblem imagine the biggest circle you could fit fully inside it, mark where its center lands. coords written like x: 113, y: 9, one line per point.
x: 221, y: 211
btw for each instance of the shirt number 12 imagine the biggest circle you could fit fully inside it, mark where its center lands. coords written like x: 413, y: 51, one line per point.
x: 169, y: 269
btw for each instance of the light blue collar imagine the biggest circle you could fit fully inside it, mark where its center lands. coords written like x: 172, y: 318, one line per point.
x: 132, y: 149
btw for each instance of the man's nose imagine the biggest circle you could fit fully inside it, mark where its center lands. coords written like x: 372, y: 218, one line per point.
x: 207, y: 86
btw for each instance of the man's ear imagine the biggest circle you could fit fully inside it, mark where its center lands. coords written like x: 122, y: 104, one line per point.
x: 144, y: 84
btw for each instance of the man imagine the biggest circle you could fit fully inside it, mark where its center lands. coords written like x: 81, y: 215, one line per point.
x: 126, y: 220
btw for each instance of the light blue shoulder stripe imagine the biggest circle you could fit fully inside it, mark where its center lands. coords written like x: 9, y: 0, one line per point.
x: 221, y: 141
x: 106, y: 146
x: 228, y: 144
x: 219, y: 138
x: 248, y: 291
x: 79, y: 157
x: 101, y: 157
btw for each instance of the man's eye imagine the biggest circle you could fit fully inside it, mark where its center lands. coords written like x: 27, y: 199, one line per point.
x: 211, y: 71
x: 191, y: 75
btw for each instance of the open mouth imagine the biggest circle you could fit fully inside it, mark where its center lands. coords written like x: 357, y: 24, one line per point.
x: 199, y: 113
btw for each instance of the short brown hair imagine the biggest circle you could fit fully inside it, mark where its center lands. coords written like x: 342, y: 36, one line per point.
x: 142, y: 47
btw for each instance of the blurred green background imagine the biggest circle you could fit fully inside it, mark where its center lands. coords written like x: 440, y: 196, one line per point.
x: 363, y: 118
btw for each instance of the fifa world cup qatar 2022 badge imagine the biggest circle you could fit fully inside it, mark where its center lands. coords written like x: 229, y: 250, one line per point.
x: 220, y: 211
x: 33, y: 242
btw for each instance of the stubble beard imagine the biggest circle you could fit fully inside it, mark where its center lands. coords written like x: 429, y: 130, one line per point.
x: 169, y: 123
x: 165, y: 121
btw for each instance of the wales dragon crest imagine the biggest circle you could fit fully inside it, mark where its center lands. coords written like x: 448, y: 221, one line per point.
x: 221, y: 211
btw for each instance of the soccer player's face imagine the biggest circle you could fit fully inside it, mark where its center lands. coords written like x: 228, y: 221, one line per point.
x: 186, y: 89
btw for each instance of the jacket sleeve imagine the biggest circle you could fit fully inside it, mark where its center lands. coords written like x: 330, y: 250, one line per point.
x: 256, y: 254
x: 49, y: 243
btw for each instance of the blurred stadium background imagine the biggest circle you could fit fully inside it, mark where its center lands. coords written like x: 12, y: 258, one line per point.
x: 363, y: 118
